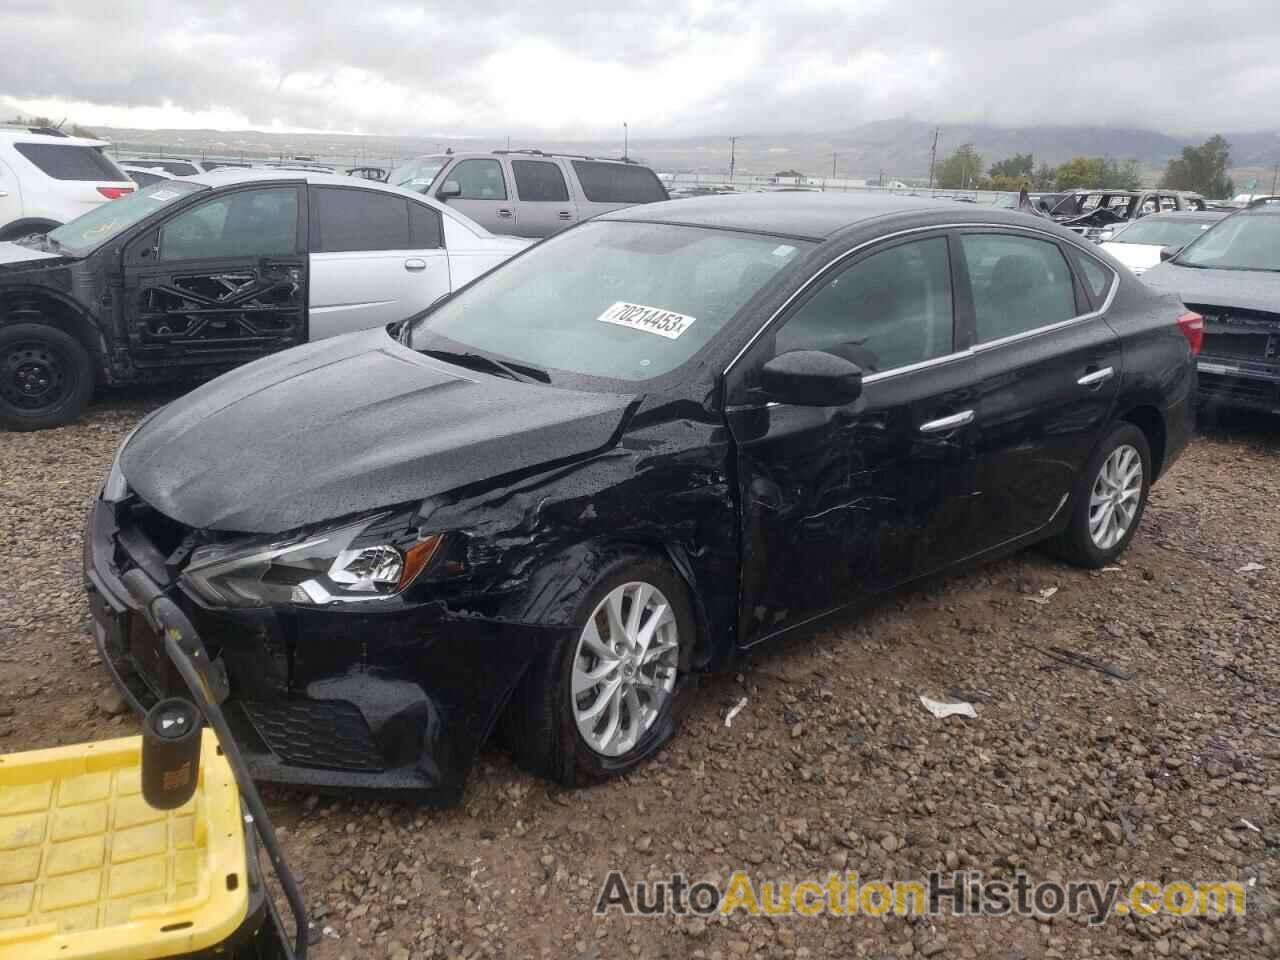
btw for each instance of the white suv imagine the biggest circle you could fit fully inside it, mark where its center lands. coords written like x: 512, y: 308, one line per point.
x: 48, y: 178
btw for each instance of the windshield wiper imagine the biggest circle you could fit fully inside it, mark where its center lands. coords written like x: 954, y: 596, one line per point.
x: 477, y: 361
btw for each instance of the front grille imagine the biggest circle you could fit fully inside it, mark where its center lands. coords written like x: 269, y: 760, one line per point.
x: 330, y: 734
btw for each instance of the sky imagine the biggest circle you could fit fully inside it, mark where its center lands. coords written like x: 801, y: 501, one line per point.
x: 668, y: 69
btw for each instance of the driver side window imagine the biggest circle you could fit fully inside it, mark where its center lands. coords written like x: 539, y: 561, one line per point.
x: 244, y: 223
x: 889, y: 310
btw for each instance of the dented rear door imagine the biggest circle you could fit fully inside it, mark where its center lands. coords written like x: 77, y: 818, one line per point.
x: 221, y: 282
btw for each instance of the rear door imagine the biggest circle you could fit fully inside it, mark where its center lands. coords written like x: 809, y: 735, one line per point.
x: 839, y: 502
x: 222, y: 281
x: 1048, y: 368
x: 481, y: 189
x: 545, y: 206
x: 375, y: 256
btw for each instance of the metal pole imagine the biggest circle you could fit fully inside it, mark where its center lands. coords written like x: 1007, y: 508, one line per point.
x: 933, y: 156
x: 733, y: 143
x: 624, y: 139
x: 1274, y: 178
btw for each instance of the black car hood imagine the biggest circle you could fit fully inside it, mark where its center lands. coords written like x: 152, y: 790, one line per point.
x: 350, y: 424
x: 1237, y: 289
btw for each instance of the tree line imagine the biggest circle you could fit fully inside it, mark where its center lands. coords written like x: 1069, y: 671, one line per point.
x: 1201, y: 169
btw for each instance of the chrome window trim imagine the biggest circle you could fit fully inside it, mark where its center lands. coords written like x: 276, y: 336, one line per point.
x: 946, y: 358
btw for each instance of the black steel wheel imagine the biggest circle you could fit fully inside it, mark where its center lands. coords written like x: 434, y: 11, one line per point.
x: 46, y: 377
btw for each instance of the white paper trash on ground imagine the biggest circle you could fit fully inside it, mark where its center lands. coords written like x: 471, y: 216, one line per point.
x: 942, y: 710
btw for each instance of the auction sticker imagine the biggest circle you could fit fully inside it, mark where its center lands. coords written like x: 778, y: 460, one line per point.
x: 649, y: 319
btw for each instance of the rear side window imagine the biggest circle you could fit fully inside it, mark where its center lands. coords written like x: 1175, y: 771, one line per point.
x: 65, y: 161
x: 425, y: 230
x: 1096, y: 277
x: 618, y: 182
x: 344, y: 219
x: 539, y: 180
x: 1019, y: 284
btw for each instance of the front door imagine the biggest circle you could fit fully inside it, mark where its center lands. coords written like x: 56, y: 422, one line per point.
x: 221, y: 282
x: 478, y: 188
x: 376, y: 257
x: 838, y: 502
x: 1048, y: 367
x: 545, y: 207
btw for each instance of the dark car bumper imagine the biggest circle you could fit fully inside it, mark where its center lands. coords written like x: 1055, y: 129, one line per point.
x: 396, y: 702
x: 1230, y: 382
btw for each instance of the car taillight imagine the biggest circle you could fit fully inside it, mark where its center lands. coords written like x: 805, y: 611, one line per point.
x: 114, y: 193
x: 1192, y: 327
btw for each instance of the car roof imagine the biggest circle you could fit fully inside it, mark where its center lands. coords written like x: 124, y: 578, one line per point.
x: 36, y: 135
x: 812, y: 216
x: 1186, y: 215
x: 529, y: 155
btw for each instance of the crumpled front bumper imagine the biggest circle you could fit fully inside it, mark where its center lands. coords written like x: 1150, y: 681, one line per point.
x: 397, y: 700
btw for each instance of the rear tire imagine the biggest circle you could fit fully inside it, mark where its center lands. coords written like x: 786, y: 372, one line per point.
x: 1109, y: 500
x: 548, y: 729
x: 46, y: 377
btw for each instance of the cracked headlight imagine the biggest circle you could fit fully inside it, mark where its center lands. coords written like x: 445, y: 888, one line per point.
x: 363, y: 560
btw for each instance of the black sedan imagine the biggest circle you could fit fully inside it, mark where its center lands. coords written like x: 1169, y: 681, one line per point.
x: 550, y: 503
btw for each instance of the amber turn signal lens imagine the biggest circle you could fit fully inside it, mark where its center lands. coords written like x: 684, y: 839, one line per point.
x: 417, y: 557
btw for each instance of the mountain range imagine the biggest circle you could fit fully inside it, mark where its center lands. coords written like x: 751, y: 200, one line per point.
x: 895, y: 148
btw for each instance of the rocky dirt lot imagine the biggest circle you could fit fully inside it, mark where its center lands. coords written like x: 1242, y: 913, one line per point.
x: 832, y: 764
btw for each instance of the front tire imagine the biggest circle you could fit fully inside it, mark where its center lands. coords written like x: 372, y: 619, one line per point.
x: 46, y: 377
x: 1110, y: 499
x: 604, y: 698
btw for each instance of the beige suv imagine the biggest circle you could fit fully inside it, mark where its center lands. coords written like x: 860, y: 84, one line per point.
x: 528, y: 193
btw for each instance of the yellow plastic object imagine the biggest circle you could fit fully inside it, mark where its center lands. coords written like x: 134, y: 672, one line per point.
x: 90, y: 871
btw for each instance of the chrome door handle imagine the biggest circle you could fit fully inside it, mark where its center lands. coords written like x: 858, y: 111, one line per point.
x: 505, y: 214
x: 413, y: 263
x: 5, y: 193
x: 1097, y: 377
x: 565, y: 215
x: 961, y: 419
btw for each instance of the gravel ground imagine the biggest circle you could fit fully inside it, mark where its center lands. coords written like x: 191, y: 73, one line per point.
x: 833, y: 764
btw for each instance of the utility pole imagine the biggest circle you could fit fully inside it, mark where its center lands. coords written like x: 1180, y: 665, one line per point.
x: 933, y: 156
x: 1275, y: 177
x: 733, y: 143
x: 624, y: 139
x: 833, y: 165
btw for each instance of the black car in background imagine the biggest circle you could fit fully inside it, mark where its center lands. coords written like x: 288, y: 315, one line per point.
x: 551, y: 502
x: 1230, y: 274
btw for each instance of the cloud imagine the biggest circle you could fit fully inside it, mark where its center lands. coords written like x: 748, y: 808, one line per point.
x: 673, y: 68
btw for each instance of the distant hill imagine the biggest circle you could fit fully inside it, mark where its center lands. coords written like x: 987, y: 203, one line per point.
x: 897, y: 147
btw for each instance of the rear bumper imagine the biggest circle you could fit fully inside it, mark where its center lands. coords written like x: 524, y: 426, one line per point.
x: 1230, y: 382
x: 396, y: 702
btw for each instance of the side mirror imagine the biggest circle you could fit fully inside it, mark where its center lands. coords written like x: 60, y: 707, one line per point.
x: 449, y: 189
x: 811, y: 378
x: 1168, y: 253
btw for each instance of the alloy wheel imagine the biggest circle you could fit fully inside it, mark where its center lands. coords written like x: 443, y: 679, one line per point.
x: 624, y: 667
x: 1117, y: 491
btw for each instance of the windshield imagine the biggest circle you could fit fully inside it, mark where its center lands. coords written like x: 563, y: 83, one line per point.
x: 86, y: 233
x: 628, y: 301
x: 1237, y: 243
x: 1162, y: 233
x: 417, y: 174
